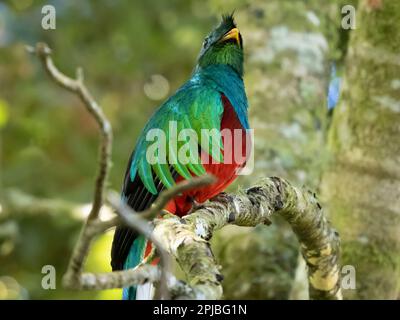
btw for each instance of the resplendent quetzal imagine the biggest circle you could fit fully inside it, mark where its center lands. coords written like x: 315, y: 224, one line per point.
x: 213, y: 98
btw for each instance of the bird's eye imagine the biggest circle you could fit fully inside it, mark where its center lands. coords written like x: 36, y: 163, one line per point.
x: 205, y: 42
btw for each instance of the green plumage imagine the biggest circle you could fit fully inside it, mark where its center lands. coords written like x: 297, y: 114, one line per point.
x: 196, y: 106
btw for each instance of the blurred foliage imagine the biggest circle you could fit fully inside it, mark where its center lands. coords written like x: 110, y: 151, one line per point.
x: 135, y: 54
x: 269, y: 254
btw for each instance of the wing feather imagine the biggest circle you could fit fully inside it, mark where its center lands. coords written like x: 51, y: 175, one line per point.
x: 194, y: 107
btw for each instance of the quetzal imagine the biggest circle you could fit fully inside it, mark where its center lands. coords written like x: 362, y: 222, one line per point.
x: 213, y: 98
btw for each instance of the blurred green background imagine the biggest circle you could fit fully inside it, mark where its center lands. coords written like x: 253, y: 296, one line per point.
x: 135, y: 54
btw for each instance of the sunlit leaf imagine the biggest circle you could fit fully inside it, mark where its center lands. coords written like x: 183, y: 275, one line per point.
x: 3, y: 113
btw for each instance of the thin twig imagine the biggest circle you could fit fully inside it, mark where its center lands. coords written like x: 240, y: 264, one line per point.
x: 179, y: 188
x: 137, y: 223
x: 74, y: 278
x: 78, y: 87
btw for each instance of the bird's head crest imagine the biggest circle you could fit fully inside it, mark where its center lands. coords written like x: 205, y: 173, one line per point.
x: 224, y: 45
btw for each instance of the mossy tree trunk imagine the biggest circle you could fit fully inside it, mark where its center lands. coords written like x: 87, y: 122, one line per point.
x: 362, y: 186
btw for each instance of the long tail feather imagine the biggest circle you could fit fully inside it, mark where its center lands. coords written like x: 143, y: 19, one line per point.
x: 135, y: 256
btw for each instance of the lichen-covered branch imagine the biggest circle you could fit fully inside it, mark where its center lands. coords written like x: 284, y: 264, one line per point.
x: 188, y: 237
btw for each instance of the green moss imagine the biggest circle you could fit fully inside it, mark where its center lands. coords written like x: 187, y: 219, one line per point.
x: 378, y: 25
x: 367, y: 258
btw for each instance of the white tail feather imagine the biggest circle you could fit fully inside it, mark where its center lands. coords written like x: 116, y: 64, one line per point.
x: 145, y: 291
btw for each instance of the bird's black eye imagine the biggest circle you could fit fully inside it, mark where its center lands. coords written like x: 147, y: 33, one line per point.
x: 205, y: 42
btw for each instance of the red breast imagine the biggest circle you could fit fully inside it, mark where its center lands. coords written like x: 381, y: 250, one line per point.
x: 225, y: 172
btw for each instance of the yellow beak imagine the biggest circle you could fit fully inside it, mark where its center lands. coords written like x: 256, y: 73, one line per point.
x: 232, y: 34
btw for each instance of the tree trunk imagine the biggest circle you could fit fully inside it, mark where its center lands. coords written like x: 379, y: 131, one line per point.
x: 362, y: 185
x: 288, y: 45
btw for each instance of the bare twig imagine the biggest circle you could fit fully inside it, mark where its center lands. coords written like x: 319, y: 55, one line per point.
x: 19, y: 203
x: 74, y: 278
x: 78, y: 87
x: 93, y: 226
x: 119, y: 279
x: 169, y: 194
x: 137, y: 222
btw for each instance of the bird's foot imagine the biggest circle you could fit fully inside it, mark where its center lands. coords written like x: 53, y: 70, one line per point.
x: 195, y: 205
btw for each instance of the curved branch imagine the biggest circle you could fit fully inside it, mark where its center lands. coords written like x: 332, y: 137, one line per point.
x: 78, y: 87
x: 188, y: 236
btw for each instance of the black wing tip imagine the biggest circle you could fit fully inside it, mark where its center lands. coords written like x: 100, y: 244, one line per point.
x: 116, y: 266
